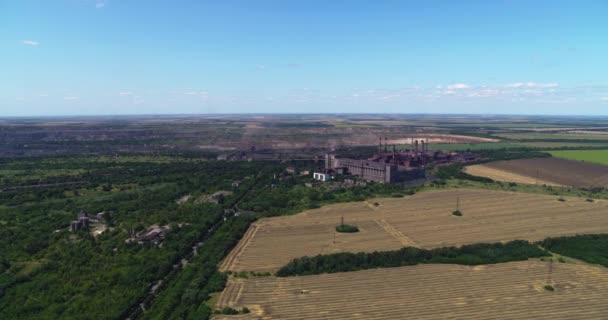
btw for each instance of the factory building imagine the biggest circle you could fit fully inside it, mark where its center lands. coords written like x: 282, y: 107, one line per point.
x: 394, y: 166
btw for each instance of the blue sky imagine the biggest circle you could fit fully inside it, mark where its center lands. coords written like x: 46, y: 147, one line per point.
x: 81, y: 57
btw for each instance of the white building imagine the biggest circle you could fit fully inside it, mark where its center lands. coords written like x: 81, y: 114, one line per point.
x: 321, y: 176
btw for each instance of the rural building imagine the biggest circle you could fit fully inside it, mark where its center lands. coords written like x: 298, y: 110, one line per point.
x: 154, y: 234
x: 82, y: 222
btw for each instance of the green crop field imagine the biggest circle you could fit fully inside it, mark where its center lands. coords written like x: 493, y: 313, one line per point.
x: 593, y: 144
x: 473, y: 146
x: 595, y: 156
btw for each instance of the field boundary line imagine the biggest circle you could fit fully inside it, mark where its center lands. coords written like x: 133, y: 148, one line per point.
x: 236, y: 252
x: 226, y: 298
x: 405, y: 240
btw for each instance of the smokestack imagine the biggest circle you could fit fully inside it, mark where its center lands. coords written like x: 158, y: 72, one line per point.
x: 416, y: 144
x: 423, y: 145
x: 385, y: 144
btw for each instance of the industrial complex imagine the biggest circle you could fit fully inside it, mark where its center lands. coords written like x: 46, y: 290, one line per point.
x: 390, y: 165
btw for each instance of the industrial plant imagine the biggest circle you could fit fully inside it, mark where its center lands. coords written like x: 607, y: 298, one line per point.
x: 390, y: 165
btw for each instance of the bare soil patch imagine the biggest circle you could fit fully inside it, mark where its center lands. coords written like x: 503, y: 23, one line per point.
x: 559, y: 171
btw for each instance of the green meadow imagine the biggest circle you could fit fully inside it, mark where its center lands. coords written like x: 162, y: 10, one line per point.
x: 595, y: 156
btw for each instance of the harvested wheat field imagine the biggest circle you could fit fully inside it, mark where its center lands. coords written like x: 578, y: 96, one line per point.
x: 512, y: 290
x: 423, y: 220
x: 481, y: 170
x: 559, y: 171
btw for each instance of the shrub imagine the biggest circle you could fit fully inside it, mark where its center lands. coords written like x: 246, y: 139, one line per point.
x: 589, y: 200
x: 346, y: 228
x: 549, y: 288
x: 457, y: 213
x: 561, y: 199
x: 245, y: 310
x: 397, y: 195
x: 228, y: 310
x: 561, y: 260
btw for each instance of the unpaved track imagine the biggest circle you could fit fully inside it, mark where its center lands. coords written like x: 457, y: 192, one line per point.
x: 424, y: 220
x: 502, y: 291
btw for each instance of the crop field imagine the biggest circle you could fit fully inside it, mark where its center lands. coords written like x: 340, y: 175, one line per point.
x: 559, y: 171
x: 481, y: 170
x: 565, y: 144
x: 514, y: 290
x: 473, y: 146
x: 551, y: 136
x: 423, y: 220
x: 595, y: 156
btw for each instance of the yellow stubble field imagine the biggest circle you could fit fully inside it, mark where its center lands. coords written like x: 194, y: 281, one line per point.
x: 512, y: 290
x: 481, y: 170
x: 423, y: 220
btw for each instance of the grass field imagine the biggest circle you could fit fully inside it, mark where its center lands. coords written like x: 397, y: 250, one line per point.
x: 502, y: 291
x: 559, y: 171
x: 424, y: 220
x: 595, y: 156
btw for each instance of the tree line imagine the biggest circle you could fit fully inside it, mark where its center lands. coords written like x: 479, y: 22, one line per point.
x: 474, y: 254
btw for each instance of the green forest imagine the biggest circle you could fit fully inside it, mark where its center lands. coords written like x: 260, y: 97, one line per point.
x: 592, y: 248
x: 55, y: 273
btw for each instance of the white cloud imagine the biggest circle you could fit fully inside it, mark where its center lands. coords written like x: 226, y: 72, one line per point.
x: 196, y: 93
x: 604, y: 98
x: 390, y: 97
x: 30, y: 42
x: 531, y: 85
x: 70, y: 98
x: 458, y: 86
x: 100, y: 5
x: 125, y: 93
x: 484, y: 92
